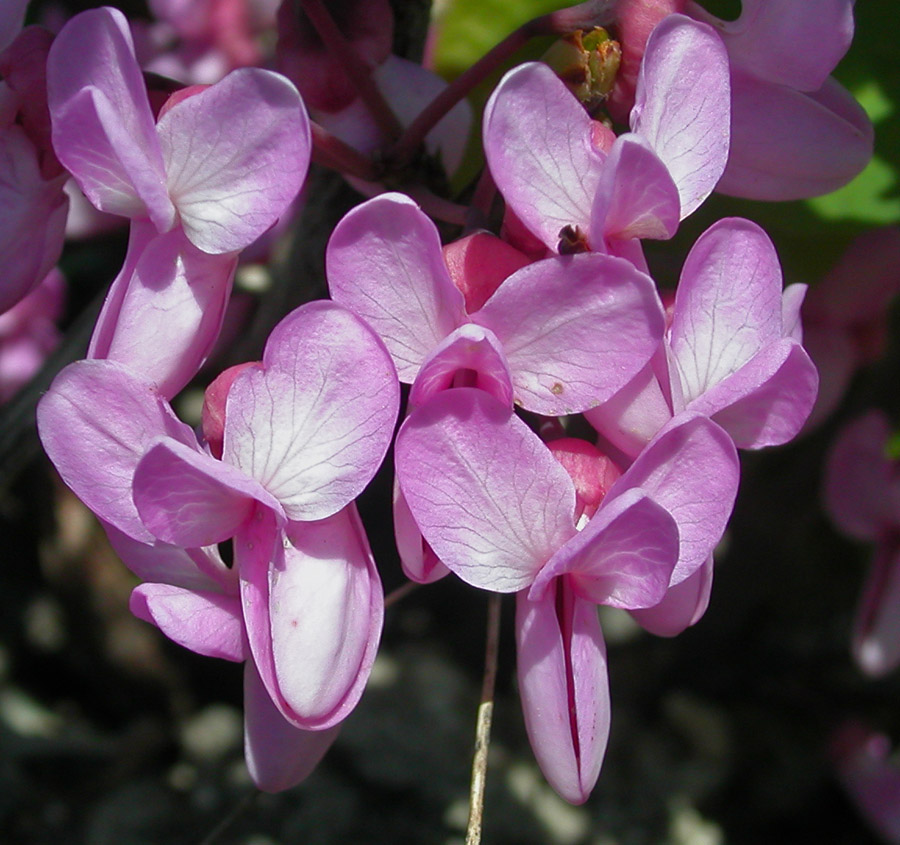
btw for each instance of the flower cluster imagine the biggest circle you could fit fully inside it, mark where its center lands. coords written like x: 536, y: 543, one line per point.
x: 571, y: 429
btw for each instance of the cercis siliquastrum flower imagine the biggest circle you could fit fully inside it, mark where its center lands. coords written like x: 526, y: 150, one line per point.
x: 215, y: 171
x: 304, y: 431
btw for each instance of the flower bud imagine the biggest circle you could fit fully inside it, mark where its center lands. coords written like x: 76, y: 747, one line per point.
x: 587, y: 63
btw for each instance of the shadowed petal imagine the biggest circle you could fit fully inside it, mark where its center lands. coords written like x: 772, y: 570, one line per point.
x: 682, y: 606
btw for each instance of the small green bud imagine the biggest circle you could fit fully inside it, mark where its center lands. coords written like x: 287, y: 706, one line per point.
x: 587, y: 63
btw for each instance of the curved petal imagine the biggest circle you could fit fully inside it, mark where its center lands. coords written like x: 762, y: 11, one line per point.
x: 623, y: 557
x: 486, y: 493
x: 728, y: 305
x: 564, y: 688
x: 683, y: 105
x: 326, y: 608
x: 164, y: 310
x: 278, y: 754
x: 470, y: 347
x: 419, y: 562
x: 682, y: 606
x: 189, y: 499
x: 236, y: 155
x: 636, y: 197
x: 95, y: 423
x: 103, y: 130
x: 314, y: 425
x: 691, y: 469
x: 537, y: 140
x: 206, y: 623
x: 575, y: 329
x: 788, y: 145
x: 384, y: 263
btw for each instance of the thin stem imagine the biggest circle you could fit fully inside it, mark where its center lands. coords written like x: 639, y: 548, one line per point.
x: 483, y: 723
x: 583, y: 16
x: 400, y: 593
x: 330, y: 151
x: 229, y: 819
x: 437, y: 207
x: 355, y: 67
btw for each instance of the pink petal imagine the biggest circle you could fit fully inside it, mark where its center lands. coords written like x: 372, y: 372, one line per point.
x: 419, y: 562
x: 164, y: 311
x: 537, y: 140
x: 564, y: 688
x: 636, y: 197
x: 682, y: 105
x: 189, y: 499
x: 691, y: 469
x: 95, y: 423
x: 314, y: 425
x: 207, y: 623
x: 683, y: 605
x: 790, y: 145
x: 487, y: 495
x: 326, y: 608
x: 384, y: 263
x: 278, y: 754
x: 236, y: 155
x: 12, y: 16
x: 470, y: 348
x: 785, y: 42
x: 623, y: 557
x: 103, y: 130
x: 559, y: 317
x: 727, y: 305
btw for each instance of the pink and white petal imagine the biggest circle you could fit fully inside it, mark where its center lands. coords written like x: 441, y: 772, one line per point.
x: 876, y: 628
x: 236, y: 156
x: 683, y: 105
x: 564, y: 688
x: 207, y: 623
x: 559, y: 317
x: 95, y: 422
x: 727, y: 305
x: 163, y: 320
x: 487, y: 494
x: 162, y: 563
x: 623, y: 557
x: 278, y: 754
x: 791, y: 304
x: 537, y: 140
x: 419, y: 562
x: 861, y: 492
x: 326, y: 608
x: 768, y: 400
x: 188, y: 498
x: 683, y: 605
x: 785, y: 42
x: 472, y: 348
x: 636, y: 197
x: 690, y: 468
x: 103, y: 129
x: 314, y: 425
x: 788, y: 145
x: 384, y: 263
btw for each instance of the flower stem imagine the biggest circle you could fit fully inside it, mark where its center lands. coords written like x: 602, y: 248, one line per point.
x: 330, y: 151
x: 483, y: 723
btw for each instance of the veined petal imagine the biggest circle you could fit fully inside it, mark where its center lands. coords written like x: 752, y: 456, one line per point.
x: 206, y: 623
x: 537, y: 140
x: 691, y: 469
x: 103, y: 130
x: 624, y: 556
x: 636, y: 197
x: 486, y: 493
x: 314, y: 424
x: 95, y: 423
x: 236, y: 155
x: 326, y: 607
x: 559, y: 318
x: 727, y: 305
x: 417, y: 558
x: 278, y: 754
x: 564, y: 688
x: 188, y: 498
x: 683, y: 105
x: 384, y: 263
